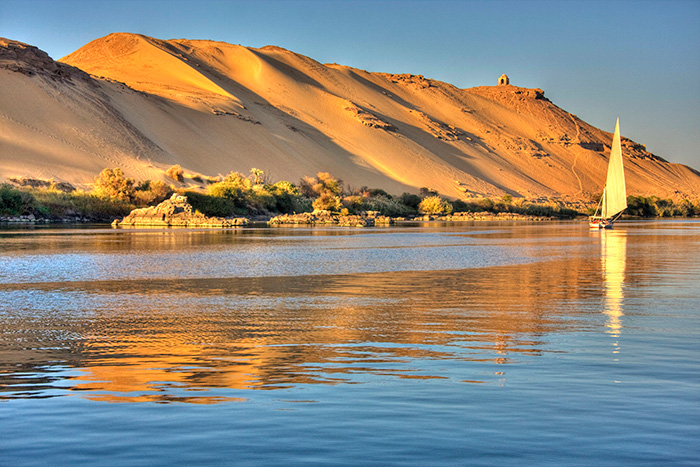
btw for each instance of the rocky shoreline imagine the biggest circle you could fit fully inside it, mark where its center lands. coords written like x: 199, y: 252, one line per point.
x: 483, y: 216
x: 175, y: 212
x: 370, y: 219
x: 366, y: 219
x: 33, y: 220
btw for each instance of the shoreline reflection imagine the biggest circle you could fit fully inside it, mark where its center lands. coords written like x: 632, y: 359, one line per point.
x: 210, y: 340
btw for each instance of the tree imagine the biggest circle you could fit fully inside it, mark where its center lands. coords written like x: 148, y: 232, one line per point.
x: 259, y: 176
x: 151, y: 192
x: 410, y: 200
x: 323, y: 183
x: 434, y: 205
x: 425, y: 192
x: 111, y: 183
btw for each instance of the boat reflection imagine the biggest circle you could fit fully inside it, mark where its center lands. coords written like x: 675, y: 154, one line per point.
x: 613, y: 258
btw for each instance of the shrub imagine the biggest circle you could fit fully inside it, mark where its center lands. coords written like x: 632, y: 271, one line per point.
x: 354, y: 204
x: 461, y: 206
x: 212, y: 205
x: 410, y: 200
x: 539, y: 210
x: 323, y: 184
x: 435, y: 205
x: 176, y: 173
x: 654, y: 206
x: 327, y: 202
x: 151, y: 192
x: 80, y: 204
x: 303, y: 204
x: 15, y: 202
x: 371, y: 192
x: 485, y: 204
x: 387, y: 206
x: 260, y: 199
x: 425, y: 192
x: 288, y: 198
x: 234, y: 186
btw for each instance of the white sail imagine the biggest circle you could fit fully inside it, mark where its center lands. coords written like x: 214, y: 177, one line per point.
x: 615, y: 194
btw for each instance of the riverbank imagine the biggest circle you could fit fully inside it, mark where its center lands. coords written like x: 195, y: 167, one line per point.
x: 303, y: 219
x: 178, y: 212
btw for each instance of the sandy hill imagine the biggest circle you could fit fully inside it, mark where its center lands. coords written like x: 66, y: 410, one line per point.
x: 145, y: 104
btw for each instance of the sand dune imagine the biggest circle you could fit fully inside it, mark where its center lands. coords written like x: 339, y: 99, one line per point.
x: 145, y: 104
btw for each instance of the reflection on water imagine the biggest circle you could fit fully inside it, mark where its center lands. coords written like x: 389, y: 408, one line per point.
x: 167, y: 340
x: 613, y: 245
x: 451, y: 345
x: 211, y: 335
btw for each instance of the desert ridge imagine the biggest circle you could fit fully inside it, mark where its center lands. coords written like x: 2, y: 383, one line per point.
x: 145, y: 104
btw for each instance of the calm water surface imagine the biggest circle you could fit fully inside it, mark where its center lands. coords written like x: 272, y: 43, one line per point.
x: 476, y: 344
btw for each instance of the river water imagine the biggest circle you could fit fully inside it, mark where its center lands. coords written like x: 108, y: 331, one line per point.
x: 473, y: 344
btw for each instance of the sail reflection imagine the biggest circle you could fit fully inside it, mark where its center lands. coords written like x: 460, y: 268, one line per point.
x: 613, y: 258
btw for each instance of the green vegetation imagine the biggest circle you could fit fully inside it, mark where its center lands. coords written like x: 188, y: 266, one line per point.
x: 15, y: 202
x: 507, y: 204
x: 115, y: 195
x: 656, y: 207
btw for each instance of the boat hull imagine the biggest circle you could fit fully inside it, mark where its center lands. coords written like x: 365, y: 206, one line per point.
x: 600, y: 223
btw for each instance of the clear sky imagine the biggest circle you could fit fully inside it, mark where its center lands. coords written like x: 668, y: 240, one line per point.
x: 639, y: 60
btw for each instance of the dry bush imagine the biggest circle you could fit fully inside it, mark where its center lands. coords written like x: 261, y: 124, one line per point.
x: 176, y: 173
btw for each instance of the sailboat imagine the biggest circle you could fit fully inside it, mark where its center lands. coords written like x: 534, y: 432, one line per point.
x: 614, y: 199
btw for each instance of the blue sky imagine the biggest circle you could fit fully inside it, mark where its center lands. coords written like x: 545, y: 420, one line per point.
x: 639, y: 60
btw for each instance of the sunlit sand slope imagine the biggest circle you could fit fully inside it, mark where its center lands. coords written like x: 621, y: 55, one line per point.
x: 145, y: 104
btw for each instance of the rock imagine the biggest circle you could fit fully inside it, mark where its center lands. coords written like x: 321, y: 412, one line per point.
x: 318, y: 217
x: 176, y: 212
x: 367, y: 118
x: 26, y: 59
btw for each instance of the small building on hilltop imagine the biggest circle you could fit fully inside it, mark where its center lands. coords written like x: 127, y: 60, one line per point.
x: 503, y: 80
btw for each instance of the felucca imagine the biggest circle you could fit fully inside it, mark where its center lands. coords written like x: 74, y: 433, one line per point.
x: 614, y: 200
